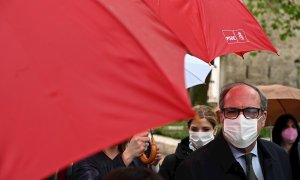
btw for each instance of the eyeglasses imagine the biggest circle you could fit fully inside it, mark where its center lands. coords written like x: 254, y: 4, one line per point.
x: 233, y: 113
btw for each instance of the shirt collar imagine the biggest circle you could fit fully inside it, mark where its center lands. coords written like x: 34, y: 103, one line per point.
x: 237, y: 154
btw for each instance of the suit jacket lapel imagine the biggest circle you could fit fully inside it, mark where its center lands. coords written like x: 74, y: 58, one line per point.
x: 226, y: 158
x: 266, y: 161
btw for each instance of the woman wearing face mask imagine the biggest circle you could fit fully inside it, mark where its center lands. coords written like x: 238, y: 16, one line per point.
x: 202, y: 129
x: 286, y: 134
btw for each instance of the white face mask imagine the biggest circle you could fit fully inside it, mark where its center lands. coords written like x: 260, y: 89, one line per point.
x: 199, y: 139
x: 240, y: 132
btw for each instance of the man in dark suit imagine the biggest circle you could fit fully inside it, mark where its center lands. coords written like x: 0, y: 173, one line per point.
x: 237, y: 153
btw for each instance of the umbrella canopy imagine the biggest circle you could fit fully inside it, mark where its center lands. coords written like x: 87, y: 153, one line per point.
x: 78, y: 76
x: 196, y: 71
x: 281, y: 100
x: 211, y: 28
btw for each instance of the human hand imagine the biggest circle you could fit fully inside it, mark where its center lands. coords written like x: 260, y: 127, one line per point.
x: 136, y: 146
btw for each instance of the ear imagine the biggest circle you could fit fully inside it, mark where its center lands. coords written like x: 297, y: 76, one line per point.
x: 264, y: 117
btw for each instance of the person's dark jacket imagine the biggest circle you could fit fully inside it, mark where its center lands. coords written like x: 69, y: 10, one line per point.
x: 98, y: 166
x: 215, y: 161
x: 172, y: 161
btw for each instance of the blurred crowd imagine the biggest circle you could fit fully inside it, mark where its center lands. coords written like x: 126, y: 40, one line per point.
x: 234, y: 152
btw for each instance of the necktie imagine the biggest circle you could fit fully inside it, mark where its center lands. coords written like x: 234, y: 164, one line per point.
x: 249, y: 169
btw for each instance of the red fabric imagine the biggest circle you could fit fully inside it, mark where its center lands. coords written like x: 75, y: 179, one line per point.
x: 79, y: 75
x: 211, y: 28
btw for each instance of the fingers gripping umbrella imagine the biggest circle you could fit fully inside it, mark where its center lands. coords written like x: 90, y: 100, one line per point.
x: 77, y: 76
x: 281, y: 100
x: 211, y: 28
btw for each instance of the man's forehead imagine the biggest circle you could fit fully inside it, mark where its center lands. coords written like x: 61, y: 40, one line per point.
x: 242, y: 96
x: 242, y: 89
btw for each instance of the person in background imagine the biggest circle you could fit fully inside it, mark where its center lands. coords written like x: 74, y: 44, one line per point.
x: 238, y: 153
x: 131, y: 173
x: 202, y: 129
x: 99, y: 165
x: 286, y: 134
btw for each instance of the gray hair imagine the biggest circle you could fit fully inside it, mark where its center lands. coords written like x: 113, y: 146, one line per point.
x: 226, y: 88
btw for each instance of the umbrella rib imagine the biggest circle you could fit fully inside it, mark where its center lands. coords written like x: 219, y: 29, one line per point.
x: 194, y: 75
x: 279, y: 102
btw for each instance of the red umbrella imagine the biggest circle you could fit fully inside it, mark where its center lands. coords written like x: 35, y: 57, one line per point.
x: 211, y: 28
x: 79, y: 75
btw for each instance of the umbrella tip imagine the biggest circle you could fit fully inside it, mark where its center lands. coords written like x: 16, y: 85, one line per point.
x: 210, y: 64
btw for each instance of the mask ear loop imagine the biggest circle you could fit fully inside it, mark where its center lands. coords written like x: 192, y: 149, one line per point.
x: 264, y: 117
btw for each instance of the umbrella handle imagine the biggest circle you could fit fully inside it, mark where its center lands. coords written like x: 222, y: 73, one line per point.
x: 152, y: 155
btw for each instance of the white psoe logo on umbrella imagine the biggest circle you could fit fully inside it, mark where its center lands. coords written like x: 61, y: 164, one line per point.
x: 235, y: 36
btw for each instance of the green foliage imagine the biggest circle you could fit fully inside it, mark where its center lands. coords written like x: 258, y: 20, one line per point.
x: 281, y: 15
x: 177, y: 130
x: 266, y: 132
x: 198, y: 93
x: 173, y: 133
